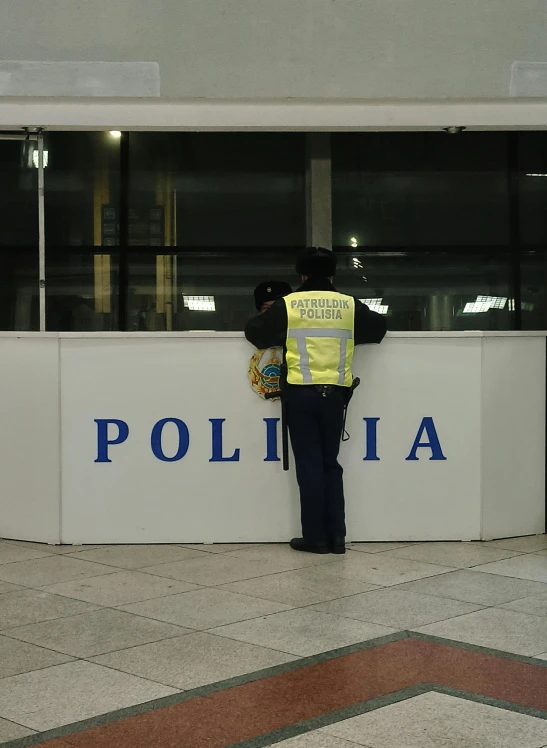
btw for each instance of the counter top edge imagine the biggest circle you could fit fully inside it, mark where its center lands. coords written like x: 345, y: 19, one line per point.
x: 239, y: 335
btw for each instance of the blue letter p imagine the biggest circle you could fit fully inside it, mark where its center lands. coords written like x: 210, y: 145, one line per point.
x: 103, y: 442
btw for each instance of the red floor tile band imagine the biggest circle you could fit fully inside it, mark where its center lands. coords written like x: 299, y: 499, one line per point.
x: 261, y: 707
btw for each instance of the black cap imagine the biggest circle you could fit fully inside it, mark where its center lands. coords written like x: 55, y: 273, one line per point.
x: 316, y: 262
x: 270, y: 291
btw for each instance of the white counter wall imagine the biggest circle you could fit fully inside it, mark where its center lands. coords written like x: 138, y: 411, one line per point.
x: 484, y: 394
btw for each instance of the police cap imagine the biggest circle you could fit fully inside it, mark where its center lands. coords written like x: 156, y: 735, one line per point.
x: 316, y: 262
x: 270, y: 291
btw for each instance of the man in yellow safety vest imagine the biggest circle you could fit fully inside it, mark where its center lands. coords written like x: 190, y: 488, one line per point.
x: 318, y: 327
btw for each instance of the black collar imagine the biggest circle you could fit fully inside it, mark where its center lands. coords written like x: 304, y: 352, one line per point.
x: 316, y: 284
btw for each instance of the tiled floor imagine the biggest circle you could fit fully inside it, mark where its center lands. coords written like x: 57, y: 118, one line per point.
x: 85, y: 631
x: 435, y: 719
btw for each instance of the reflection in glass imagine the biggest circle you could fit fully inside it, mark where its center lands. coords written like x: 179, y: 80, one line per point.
x: 534, y: 290
x: 82, y: 291
x: 217, y: 190
x: 432, y: 290
x: 200, y: 290
x: 82, y: 189
x: 533, y: 187
x: 224, y: 191
x: 420, y: 221
x: 419, y: 189
x: 19, y: 306
x: 416, y: 291
x: 82, y: 204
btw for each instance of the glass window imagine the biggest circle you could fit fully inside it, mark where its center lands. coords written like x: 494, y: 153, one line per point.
x: 19, y: 305
x: 82, y: 207
x: 420, y: 221
x: 419, y: 189
x: 432, y: 290
x: 534, y: 290
x: 217, y: 190
x: 200, y: 290
x: 229, y: 193
x: 81, y: 290
x: 82, y: 189
x: 533, y: 187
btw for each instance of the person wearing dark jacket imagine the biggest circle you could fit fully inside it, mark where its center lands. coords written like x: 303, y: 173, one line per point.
x: 318, y: 328
x: 269, y: 291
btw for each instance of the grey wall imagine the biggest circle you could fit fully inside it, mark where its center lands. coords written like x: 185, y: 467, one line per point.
x: 297, y: 48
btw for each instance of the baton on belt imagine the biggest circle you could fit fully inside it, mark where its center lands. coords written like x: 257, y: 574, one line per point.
x: 282, y: 394
x: 349, y: 394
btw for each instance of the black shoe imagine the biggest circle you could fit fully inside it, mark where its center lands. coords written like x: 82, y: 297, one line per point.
x: 338, y: 546
x: 300, y: 544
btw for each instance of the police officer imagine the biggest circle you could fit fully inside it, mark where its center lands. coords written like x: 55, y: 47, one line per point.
x: 269, y: 291
x: 318, y: 327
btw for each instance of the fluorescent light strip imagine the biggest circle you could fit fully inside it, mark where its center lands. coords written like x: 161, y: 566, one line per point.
x: 376, y: 305
x: 200, y: 303
x: 484, y: 304
x: 36, y: 158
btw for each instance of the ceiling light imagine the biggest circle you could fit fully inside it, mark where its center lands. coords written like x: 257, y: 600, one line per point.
x: 115, y: 134
x: 36, y: 158
x: 453, y: 130
x: 353, y: 242
x: 536, y: 175
x: 200, y: 303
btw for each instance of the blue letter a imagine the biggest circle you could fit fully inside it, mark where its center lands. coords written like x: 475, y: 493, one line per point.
x: 434, y: 444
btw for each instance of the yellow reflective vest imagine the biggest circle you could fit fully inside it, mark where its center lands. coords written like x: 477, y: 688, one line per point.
x: 320, y: 337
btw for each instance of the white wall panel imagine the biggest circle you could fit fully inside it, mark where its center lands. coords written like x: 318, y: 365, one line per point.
x: 513, y: 437
x: 29, y: 438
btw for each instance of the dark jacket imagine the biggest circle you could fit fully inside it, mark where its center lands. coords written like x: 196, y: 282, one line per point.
x: 269, y: 329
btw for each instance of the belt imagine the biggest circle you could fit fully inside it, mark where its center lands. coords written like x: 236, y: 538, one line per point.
x: 325, y: 389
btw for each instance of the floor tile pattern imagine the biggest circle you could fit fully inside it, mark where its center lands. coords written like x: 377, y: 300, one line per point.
x: 434, y: 719
x: 88, y: 631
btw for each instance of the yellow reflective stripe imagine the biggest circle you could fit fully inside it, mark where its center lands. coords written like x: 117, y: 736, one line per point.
x: 319, y: 332
x: 342, y: 363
